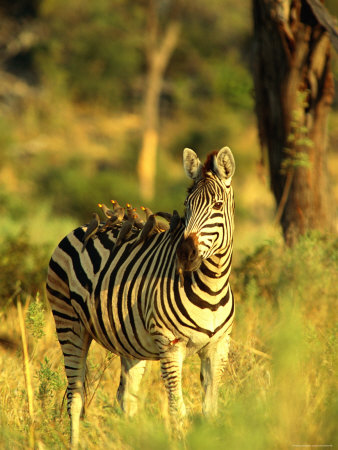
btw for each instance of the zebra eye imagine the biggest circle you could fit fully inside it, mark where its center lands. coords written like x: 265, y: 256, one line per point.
x: 218, y: 205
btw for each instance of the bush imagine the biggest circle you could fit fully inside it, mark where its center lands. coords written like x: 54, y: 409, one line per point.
x: 23, y: 266
x: 305, y: 272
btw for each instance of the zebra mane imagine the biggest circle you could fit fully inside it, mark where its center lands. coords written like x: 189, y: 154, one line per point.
x: 207, y: 168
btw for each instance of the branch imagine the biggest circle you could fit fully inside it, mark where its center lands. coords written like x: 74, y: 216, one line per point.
x: 164, y: 51
x: 326, y: 20
x: 284, y: 198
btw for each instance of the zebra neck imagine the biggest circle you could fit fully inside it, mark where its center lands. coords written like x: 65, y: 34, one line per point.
x: 208, y: 287
x: 217, y: 267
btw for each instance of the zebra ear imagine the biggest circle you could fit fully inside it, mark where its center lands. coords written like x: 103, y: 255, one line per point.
x: 225, y: 163
x: 191, y: 163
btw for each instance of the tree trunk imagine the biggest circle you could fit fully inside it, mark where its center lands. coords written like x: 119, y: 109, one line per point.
x: 294, y: 90
x: 158, y: 59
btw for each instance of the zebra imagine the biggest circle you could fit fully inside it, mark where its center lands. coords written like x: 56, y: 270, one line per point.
x: 165, y: 299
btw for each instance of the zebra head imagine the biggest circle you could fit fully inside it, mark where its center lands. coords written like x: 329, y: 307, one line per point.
x: 209, y: 207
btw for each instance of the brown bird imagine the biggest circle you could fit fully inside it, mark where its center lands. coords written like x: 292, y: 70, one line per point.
x: 115, y: 219
x: 130, y: 214
x: 92, y: 228
x: 160, y: 226
x: 115, y: 204
x: 125, y: 229
x: 128, y: 210
x: 148, y: 229
x: 147, y: 211
x: 106, y: 211
x: 138, y: 223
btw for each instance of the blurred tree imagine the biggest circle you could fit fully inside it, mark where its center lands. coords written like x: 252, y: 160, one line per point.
x: 102, y: 57
x: 294, y: 91
x: 91, y: 51
x: 159, y: 47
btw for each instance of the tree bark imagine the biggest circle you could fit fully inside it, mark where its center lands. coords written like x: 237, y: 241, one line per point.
x: 294, y: 91
x: 158, y: 56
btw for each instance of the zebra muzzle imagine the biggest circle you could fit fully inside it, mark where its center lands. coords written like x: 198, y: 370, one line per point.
x: 188, y: 258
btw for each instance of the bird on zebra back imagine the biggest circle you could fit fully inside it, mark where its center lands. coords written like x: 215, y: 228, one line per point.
x: 133, y: 303
x: 118, y: 209
x: 126, y: 228
x: 160, y: 226
x: 115, y: 204
x: 106, y: 211
x: 129, y: 209
x: 113, y: 217
x: 148, y: 230
x: 91, y: 230
x: 138, y: 222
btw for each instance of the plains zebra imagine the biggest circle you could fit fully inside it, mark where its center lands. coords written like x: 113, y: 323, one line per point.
x: 132, y: 300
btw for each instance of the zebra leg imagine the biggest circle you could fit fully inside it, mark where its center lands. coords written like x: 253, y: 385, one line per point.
x: 132, y: 371
x: 213, y: 359
x: 171, y: 369
x: 75, y: 342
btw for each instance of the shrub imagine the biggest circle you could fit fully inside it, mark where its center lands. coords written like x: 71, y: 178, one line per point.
x: 22, y: 266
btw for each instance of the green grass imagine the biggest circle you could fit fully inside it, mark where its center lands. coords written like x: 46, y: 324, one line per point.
x: 279, y: 389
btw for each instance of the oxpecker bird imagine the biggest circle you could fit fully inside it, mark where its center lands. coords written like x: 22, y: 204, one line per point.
x: 147, y: 211
x: 160, y: 226
x: 138, y: 222
x: 106, y: 211
x: 115, y: 219
x: 125, y: 228
x: 115, y: 204
x: 92, y: 228
x: 148, y: 229
x: 128, y: 210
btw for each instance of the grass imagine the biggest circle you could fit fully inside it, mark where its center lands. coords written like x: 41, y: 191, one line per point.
x: 279, y: 389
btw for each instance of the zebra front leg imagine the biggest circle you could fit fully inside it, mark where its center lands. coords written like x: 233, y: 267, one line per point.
x: 75, y: 342
x: 132, y: 371
x: 213, y: 360
x: 171, y: 369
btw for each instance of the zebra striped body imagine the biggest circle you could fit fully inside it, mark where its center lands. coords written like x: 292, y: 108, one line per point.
x: 130, y: 298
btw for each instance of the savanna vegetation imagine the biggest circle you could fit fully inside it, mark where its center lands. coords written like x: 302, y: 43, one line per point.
x: 72, y: 92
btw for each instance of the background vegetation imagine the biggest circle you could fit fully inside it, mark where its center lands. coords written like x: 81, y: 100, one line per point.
x: 71, y: 93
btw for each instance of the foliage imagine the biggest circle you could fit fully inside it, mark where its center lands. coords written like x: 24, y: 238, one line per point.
x: 22, y: 266
x: 91, y: 50
x: 76, y: 190
x: 309, y: 269
x: 50, y: 381
x: 35, y: 318
x: 97, y: 52
x: 298, y: 139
